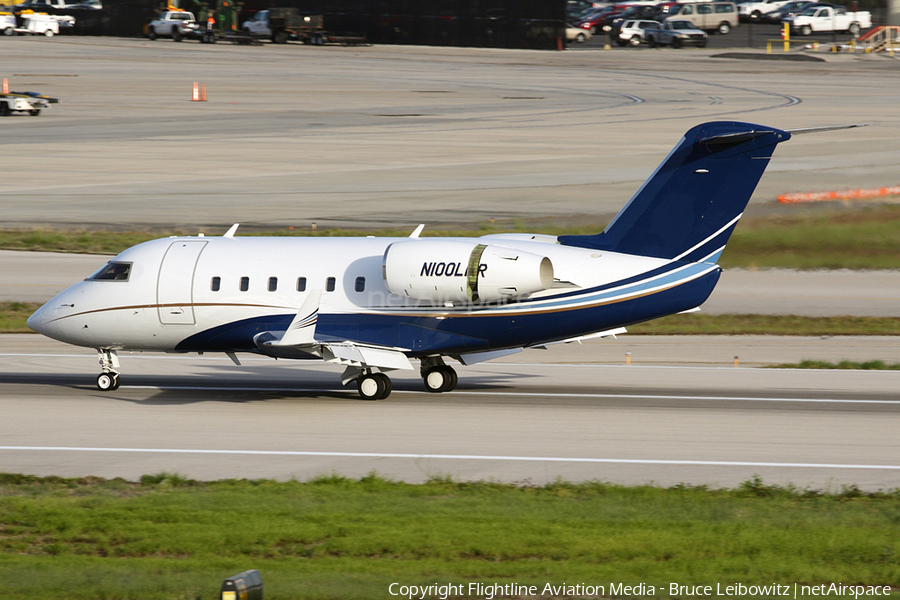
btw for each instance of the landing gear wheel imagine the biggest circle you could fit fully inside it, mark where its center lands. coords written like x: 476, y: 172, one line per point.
x: 107, y: 382
x: 440, y: 379
x: 371, y: 387
x: 388, y: 386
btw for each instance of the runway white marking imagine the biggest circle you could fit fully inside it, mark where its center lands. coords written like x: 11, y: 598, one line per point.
x: 632, y: 461
x: 512, y: 394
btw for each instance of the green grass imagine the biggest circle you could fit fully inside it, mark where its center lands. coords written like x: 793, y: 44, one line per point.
x: 14, y: 314
x: 865, y: 238
x: 870, y: 365
x: 168, y: 537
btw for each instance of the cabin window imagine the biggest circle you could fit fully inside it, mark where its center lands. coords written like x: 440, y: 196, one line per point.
x: 329, y: 284
x: 113, y: 271
x: 273, y: 284
x: 215, y: 284
x: 301, y: 284
x: 360, y: 284
x: 245, y: 284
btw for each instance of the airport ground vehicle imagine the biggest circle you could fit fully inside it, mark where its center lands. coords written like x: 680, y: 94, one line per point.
x: 33, y: 104
x: 676, y: 33
x: 720, y: 17
x: 37, y: 24
x: 819, y: 19
x: 176, y: 24
x: 284, y: 24
x: 7, y: 24
x: 632, y: 32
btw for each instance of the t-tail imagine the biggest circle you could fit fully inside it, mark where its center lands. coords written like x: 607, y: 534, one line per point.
x: 690, y: 205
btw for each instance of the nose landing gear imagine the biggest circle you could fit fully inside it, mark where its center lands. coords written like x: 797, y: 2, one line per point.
x: 108, y: 380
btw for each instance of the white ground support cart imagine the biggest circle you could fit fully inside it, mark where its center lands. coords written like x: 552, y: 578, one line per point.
x: 39, y: 24
x: 7, y: 24
x: 32, y: 104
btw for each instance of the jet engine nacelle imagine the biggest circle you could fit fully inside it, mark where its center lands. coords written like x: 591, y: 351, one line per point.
x: 462, y: 271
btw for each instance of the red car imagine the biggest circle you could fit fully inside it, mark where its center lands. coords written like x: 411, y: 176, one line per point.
x: 595, y: 21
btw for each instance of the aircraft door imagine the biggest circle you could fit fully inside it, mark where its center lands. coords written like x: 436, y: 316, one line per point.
x: 174, y: 288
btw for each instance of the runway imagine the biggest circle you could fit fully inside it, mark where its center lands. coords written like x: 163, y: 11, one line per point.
x: 576, y: 413
x: 397, y: 136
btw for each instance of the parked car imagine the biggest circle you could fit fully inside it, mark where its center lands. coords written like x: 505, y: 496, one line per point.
x: 676, y: 33
x: 577, y: 34
x: 752, y: 10
x: 720, y: 17
x: 596, y: 21
x: 632, y: 32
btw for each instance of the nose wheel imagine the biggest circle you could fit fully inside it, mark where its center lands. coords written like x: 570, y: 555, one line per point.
x: 108, y: 380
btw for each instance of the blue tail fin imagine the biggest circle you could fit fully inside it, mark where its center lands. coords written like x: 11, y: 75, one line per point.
x: 690, y: 205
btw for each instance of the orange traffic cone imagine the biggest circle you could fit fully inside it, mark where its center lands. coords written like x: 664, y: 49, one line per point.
x: 195, y: 96
x: 203, y: 93
x: 5, y: 86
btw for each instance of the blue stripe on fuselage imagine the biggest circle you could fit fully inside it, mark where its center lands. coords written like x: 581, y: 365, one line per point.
x: 476, y: 330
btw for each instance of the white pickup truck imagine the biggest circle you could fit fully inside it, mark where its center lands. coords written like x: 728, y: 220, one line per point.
x: 175, y: 23
x: 827, y: 19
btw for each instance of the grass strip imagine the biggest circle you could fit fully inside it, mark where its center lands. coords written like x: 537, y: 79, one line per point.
x: 14, y: 314
x: 332, y: 537
x: 864, y: 238
x: 869, y: 365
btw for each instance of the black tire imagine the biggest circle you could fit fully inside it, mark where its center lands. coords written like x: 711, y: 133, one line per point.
x: 805, y: 30
x: 580, y: 38
x: 652, y: 42
x: 4, y: 109
x: 635, y: 41
x: 436, y: 379
x: 388, y: 386
x: 676, y: 43
x: 280, y: 37
x: 724, y: 28
x: 107, y: 382
x: 371, y: 387
x: 34, y: 112
x: 48, y: 33
x: 854, y: 29
x: 151, y: 34
x: 756, y: 15
x: 176, y: 35
x: 454, y: 379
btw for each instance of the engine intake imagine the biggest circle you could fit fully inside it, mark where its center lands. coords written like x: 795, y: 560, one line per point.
x: 463, y: 272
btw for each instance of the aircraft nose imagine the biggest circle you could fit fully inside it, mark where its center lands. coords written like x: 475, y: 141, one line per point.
x: 36, y: 321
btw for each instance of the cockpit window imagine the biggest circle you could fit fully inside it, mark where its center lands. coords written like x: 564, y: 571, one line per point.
x: 113, y: 271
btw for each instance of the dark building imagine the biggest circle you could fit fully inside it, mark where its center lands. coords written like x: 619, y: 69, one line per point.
x: 485, y: 23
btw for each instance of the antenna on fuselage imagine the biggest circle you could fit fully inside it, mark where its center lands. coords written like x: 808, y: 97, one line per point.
x: 232, y: 231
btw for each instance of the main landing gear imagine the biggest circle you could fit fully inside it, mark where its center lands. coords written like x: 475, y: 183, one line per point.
x: 437, y: 376
x: 372, y: 385
x: 108, y: 380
